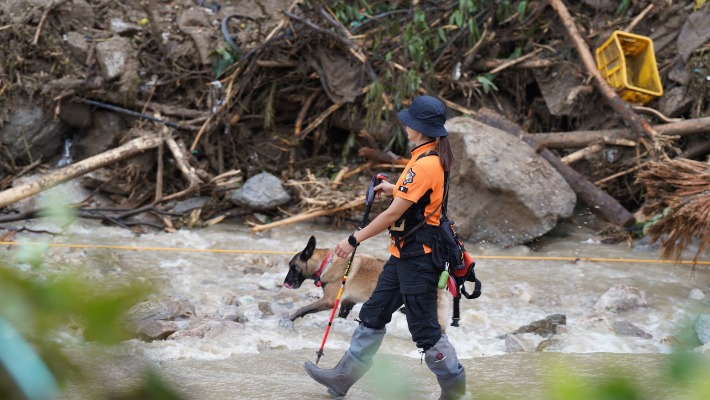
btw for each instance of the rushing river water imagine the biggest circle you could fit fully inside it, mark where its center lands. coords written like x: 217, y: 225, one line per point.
x: 258, y: 360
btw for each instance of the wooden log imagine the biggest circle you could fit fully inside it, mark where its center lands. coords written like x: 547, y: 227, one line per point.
x: 596, y: 199
x: 381, y: 156
x: 307, y: 216
x: 638, y: 124
x: 339, y: 178
x: 580, y: 154
x: 69, y: 172
x: 182, y: 163
x: 565, y: 140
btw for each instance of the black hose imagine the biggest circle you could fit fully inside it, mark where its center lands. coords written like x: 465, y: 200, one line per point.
x: 228, y: 37
x: 137, y: 114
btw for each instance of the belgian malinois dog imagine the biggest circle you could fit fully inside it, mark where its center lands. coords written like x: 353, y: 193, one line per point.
x: 361, y: 282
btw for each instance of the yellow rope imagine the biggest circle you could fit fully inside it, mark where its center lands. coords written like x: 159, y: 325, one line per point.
x: 96, y: 246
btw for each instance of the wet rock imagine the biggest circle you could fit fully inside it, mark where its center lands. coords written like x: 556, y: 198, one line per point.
x: 222, y: 327
x: 675, y: 102
x: 702, y: 328
x: 544, y: 327
x: 229, y: 298
x: 670, y: 341
x: 271, y: 309
x: 286, y: 324
x: 191, y: 204
x: 267, y: 282
x: 228, y: 312
x: 249, y: 313
x: 167, y: 308
x: 150, y: 330
x: 696, y: 294
x: 76, y: 14
x: 596, y: 323
x: 624, y: 328
x: 208, y: 282
x: 524, y: 291
x: 102, y: 136
x: 34, y: 130
x: 513, y: 344
x: 124, y: 28
x: 506, y: 193
x: 552, y: 301
x: 244, y: 300
x: 620, y: 298
x: 194, y: 332
x: 261, y: 192
x: 78, y: 115
x: 78, y: 45
x: 552, y: 344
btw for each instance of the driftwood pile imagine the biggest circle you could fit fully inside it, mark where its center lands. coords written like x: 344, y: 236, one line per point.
x: 307, y: 90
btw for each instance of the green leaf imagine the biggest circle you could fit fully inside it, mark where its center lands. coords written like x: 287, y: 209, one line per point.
x: 522, y: 7
x: 487, y: 84
x: 442, y: 35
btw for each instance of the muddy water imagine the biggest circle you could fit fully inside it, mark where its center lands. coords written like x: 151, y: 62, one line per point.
x: 259, y: 360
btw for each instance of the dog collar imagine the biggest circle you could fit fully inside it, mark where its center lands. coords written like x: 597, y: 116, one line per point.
x: 327, y: 260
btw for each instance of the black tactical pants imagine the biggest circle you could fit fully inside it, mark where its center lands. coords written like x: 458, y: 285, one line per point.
x: 412, y: 282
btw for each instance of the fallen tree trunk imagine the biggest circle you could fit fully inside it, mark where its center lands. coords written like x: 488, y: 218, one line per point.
x: 303, y: 217
x: 639, y: 125
x: 54, y: 178
x: 595, y: 198
x: 566, y: 140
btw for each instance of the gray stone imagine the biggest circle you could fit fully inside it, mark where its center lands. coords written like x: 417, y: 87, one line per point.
x: 505, y: 192
x: 228, y: 312
x: 513, y: 344
x: 187, y: 333
x: 78, y: 115
x: 624, y: 328
x: 675, y: 102
x: 620, y: 298
x: 78, y: 46
x: 33, y: 130
x: 253, y: 270
x: 103, y: 135
x: 696, y: 294
x: 680, y: 75
x: 267, y: 282
x: 222, y: 327
x: 552, y: 344
x: 123, y: 28
x: 196, y: 23
x: 544, y: 327
x: 167, y: 308
x: 261, y: 192
x: 156, y: 330
x: 702, y: 328
x: 249, y: 313
x: 243, y: 300
x: 593, y: 323
x: 114, y: 57
x: 286, y: 324
x: 191, y: 204
x: 265, y: 308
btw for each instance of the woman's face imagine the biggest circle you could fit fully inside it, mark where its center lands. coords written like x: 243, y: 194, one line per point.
x: 413, y: 135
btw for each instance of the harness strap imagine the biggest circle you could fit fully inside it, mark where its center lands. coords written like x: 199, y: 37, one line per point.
x: 326, y: 261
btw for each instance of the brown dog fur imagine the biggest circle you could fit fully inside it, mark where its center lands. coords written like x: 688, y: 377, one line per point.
x: 360, y: 284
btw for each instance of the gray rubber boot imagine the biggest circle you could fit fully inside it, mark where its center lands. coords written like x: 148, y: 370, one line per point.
x: 355, y: 362
x: 443, y: 362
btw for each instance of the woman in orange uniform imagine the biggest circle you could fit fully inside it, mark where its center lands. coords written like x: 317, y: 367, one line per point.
x: 409, y: 277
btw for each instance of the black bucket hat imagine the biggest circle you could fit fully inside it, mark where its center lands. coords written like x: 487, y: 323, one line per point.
x: 426, y: 115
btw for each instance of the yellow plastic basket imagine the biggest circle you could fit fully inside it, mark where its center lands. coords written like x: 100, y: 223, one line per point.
x: 628, y: 63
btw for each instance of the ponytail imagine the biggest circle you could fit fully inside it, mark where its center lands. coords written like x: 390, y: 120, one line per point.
x: 446, y: 156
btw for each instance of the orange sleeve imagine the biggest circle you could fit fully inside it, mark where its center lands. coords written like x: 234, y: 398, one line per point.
x: 413, y: 183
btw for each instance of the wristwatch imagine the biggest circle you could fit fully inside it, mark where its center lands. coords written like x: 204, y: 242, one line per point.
x: 352, y: 241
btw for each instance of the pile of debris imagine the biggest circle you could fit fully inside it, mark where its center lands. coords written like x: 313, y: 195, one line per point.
x: 303, y: 89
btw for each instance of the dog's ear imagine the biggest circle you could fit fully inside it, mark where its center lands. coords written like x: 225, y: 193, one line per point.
x: 308, y: 251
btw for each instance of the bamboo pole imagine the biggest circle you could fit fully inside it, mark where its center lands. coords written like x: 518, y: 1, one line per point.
x: 307, y: 216
x: 54, y: 178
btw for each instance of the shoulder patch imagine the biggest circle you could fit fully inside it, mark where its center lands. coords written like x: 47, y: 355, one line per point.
x: 403, y: 189
x: 409, y: 177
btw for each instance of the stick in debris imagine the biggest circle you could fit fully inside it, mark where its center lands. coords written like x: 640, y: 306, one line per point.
x: 54, y: 178
x: 597, y: 199
x: 563, y: 140
x: 307, y: 216
x: 580, y: 154
x: 638, y: 18
x: 639, y: 125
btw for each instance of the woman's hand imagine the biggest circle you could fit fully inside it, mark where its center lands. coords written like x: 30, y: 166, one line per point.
x: 343, y: 248
x: 384, y: 187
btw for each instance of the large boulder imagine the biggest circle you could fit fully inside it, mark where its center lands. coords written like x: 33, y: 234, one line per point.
x: 102, y: 136
x: 261, y: 192
x: 32, y: 130
x: 502, y: 191
x: 544, y: 327
x: 620, y: 298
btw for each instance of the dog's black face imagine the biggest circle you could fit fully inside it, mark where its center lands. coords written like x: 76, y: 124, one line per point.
x: 295, y: 276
